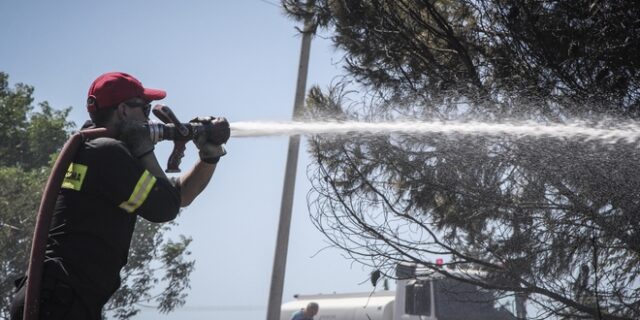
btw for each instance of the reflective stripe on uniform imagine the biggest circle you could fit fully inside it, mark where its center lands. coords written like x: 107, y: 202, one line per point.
x: 74, y: 177
x: 140, y: 192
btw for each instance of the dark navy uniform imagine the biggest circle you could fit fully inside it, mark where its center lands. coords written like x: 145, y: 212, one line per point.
x: 103, y: 192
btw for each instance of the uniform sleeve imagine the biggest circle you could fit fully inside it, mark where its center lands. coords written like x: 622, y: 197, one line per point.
x: 132, y: 188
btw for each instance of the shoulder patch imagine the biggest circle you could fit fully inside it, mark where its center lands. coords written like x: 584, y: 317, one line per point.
x: 74, y: 177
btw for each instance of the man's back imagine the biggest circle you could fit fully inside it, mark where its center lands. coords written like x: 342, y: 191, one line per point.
x: 92, y: 227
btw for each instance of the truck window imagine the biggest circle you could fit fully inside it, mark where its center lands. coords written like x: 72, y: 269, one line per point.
x: 418, y: 298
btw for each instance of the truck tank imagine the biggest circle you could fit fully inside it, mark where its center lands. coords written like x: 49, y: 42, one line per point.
x: 345, y: 306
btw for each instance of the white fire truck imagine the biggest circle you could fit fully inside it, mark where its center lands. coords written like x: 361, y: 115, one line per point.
x: 420, y: 294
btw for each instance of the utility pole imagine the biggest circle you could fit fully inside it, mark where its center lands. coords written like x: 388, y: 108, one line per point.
x: 286, y: 205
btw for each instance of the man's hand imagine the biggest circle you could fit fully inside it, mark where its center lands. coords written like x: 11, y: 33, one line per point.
x: 217, y: 130
x: 209, y: 141
x: 137, y: 138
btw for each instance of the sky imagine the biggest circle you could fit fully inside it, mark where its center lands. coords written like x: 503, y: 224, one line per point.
x: 236, y: 59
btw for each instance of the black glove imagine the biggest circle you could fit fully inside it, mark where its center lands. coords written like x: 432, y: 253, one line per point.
x: 217, y: 129
x: 137, y: 138
x: 209, y: 141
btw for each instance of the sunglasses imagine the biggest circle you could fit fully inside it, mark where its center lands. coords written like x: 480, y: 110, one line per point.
x: 146, y: 107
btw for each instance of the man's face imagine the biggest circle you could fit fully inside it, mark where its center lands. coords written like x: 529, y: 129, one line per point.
x: 311, y: 311
x: 138, y: 110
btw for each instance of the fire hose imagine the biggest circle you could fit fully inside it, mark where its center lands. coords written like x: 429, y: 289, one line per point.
x: 171, y: 129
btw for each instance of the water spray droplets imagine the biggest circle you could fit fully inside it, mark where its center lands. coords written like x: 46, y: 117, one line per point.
x: 627, y: 132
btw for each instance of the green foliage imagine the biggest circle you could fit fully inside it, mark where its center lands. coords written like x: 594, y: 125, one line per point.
x: 502, y: 57
x: 28, y: 142
x: 154, y: 264
x: 27, y: 138
x: 19, y: 194
x: 554, y: 220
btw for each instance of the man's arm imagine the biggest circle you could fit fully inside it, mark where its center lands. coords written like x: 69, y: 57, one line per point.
x: 210, y: 149
x: 193, y: 182
x: 150, y: 162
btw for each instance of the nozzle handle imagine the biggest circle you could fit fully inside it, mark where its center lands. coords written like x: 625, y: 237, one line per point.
x: 166, y: 115
x: 173, y: 163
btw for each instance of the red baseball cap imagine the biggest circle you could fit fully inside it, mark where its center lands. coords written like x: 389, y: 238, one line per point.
x: 113, y: 88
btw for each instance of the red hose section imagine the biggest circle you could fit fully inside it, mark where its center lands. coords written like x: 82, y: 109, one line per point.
x: 45, y: 213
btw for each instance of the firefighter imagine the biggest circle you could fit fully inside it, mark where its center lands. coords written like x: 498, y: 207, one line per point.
x: 110, y: 183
